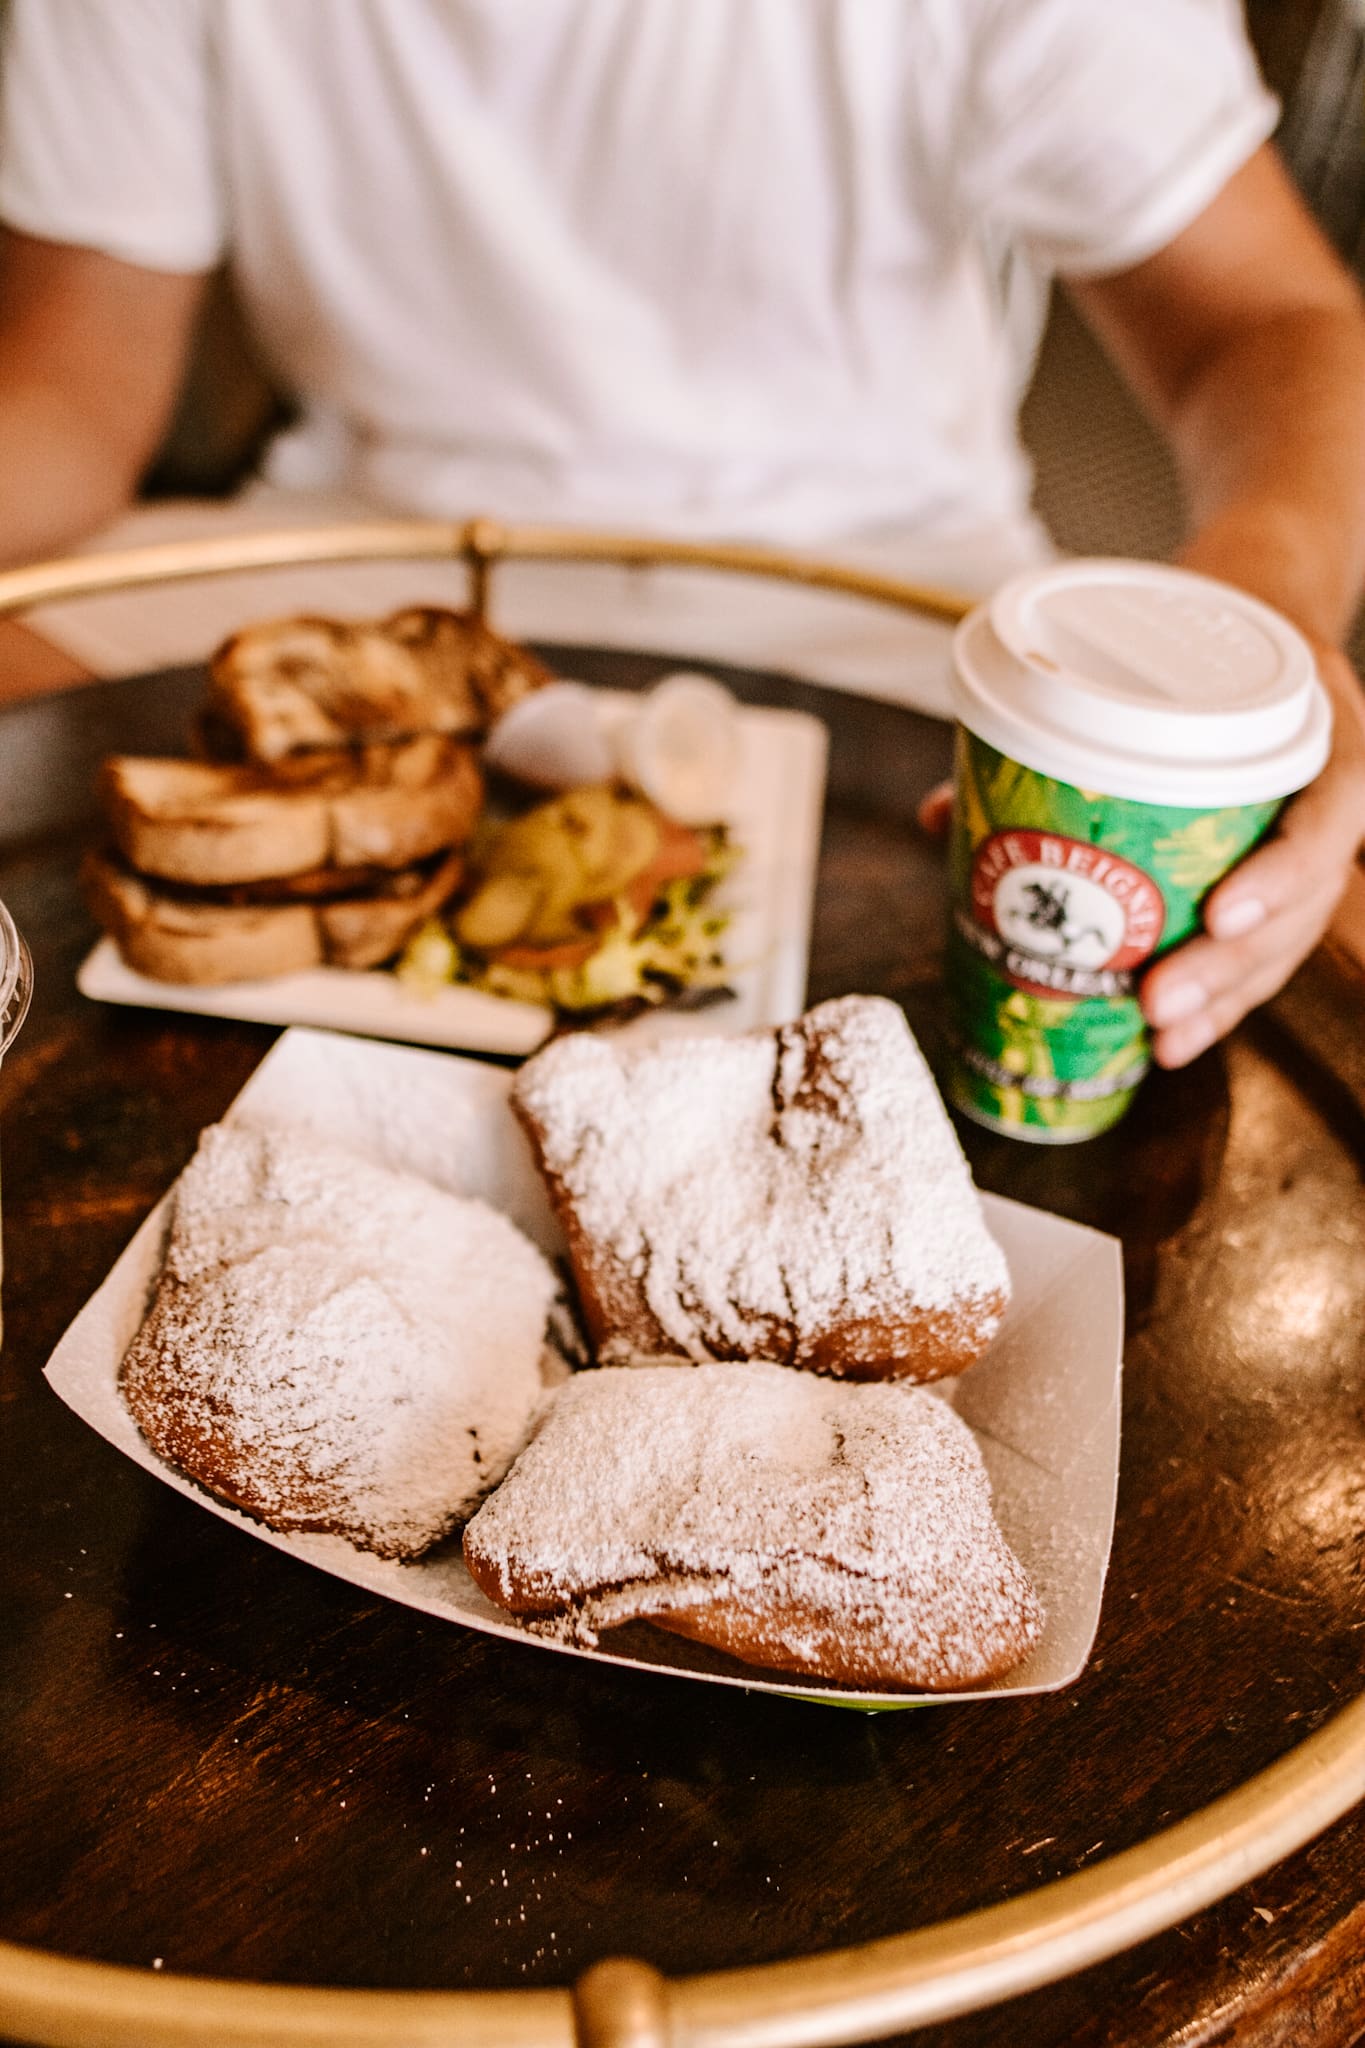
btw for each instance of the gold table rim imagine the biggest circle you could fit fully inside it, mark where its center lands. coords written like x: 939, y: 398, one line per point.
x: 932, y: 1973
x: 479, y: 543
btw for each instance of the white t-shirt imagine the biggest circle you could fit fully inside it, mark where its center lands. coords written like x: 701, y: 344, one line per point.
x: 720, y: 267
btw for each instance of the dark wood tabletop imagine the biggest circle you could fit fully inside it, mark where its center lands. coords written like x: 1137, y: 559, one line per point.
x: 214, y: 1759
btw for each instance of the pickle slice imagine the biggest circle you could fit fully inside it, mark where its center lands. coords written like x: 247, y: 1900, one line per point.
x: 499, y: 911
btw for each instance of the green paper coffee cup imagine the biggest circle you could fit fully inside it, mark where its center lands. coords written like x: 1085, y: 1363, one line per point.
x: 1126, y: 734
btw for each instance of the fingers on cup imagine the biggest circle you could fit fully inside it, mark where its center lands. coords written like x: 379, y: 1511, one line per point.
x: 935, y: 810
x: 1293, y: 868
x: 1211, y: 984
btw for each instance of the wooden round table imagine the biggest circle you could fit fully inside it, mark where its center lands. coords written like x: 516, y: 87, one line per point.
x: 214, y: 1760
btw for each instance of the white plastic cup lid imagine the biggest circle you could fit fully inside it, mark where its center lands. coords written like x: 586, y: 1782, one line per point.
x: 1141, y: 681
x: 16, y: 979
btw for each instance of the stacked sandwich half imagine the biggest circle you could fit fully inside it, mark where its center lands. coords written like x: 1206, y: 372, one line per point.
x: 337, y: 783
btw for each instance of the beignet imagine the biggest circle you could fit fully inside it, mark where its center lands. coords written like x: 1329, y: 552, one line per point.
x: 796, y: 1195
x: 838, y: 1531
x: 334, y: 1346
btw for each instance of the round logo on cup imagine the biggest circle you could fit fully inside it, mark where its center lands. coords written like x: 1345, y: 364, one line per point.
x: 1067, y: 919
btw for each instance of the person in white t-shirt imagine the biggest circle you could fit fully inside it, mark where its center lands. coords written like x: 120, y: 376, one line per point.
x: 760, y: 270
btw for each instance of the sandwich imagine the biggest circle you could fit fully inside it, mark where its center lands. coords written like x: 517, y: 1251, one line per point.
x: 225, y: 873
x: 324, y: 822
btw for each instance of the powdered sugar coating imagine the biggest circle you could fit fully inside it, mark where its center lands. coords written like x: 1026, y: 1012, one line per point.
x: 337, y: 1346
x: 834, y: 1529
x: 796, y: 1195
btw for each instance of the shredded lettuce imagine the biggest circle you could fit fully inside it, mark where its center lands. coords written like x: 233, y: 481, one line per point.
x: 430, y: 959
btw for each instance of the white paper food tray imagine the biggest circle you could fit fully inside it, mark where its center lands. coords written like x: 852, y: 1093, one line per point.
x: 1043, y: 1401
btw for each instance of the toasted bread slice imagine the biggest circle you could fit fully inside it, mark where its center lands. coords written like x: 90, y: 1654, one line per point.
x: 458, y: 651
x: 176, y: 935
x: 379, y: 806
x: 290, y: 685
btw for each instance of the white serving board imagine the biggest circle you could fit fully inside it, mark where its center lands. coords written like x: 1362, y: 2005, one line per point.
x: 775, y: 819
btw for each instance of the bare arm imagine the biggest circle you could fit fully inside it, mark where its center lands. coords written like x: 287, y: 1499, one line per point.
x: 1246, y: 339
x: 91, y: 355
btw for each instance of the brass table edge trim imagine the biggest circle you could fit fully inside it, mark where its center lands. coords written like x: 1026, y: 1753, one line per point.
x: 934, y: 1973
x: 480, y: 543
x: 998, y: 1952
